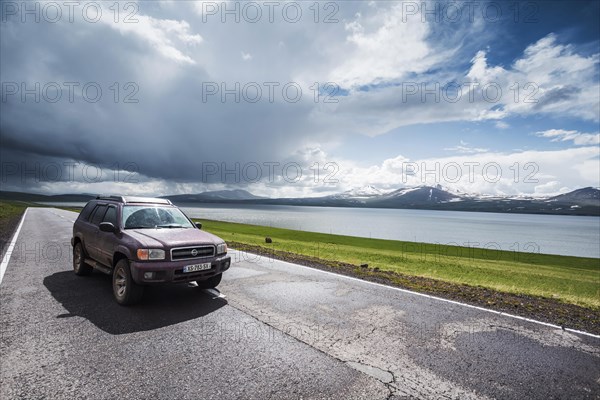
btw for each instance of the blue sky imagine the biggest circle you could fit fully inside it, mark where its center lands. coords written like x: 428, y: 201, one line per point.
x: 175, y: 58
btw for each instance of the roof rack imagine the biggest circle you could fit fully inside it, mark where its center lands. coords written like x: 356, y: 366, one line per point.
x: 120, y: 199
x: 135, y: 199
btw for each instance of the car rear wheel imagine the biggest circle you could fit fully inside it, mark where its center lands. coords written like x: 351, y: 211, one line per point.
x: 125, y: 290
x: 79, y: 265
x: 210, y: 283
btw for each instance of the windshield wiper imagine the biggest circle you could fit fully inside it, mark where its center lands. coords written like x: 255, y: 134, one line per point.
x: 171, y: 226
x: 139, y: 227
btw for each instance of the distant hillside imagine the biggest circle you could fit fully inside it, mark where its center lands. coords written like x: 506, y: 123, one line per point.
x: 32, y: 197
x: 584, y: 201
x: 215, y: 196
x: 586, y: 196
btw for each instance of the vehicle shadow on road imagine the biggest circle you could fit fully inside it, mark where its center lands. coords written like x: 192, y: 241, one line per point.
x: 91, y: 297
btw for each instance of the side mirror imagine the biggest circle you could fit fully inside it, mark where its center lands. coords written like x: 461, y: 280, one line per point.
x: 107, y: 227
x: 199, y: 225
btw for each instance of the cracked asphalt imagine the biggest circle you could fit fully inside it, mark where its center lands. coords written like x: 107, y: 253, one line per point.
x: 277, y: 331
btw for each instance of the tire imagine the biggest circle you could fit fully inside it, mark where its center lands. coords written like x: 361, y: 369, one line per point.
x: 79, y: 265
x: 210, y: 283
x: 125, y: 290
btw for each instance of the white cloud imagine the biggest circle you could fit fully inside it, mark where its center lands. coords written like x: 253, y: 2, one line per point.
x: 480, y: 71
x: 549, y: 78
x: 578, y: 138
x: 551, y: 187
x: 166, y: 36
x: 208, y: 7
x: 523, y: 172
x: 246, y: 56
x: 465, y: 148
x: 384, y: 47
x: 161, y: 34
x: 566, y: 85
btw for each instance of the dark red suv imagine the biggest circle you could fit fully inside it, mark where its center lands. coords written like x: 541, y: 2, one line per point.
x: 145, y: 241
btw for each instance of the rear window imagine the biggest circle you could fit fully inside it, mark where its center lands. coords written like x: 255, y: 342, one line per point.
x: 87, y: 210
x: 98, y: 214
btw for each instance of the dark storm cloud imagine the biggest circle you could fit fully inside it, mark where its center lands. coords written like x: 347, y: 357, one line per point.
x: 170, y: 132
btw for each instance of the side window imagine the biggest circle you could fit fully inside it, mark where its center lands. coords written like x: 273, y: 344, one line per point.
x: 111, y: 215
x: 92, y: 214
x: 87, y: 210
x: 98, y: 214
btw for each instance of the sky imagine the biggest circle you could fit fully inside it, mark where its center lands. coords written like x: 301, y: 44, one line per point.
x: 298, y: 99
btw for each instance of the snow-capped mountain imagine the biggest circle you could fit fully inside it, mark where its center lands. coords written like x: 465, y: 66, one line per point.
x: 370, y: 194
x: 363, y: 192
x: 429, y: 194
x: 584, y: 201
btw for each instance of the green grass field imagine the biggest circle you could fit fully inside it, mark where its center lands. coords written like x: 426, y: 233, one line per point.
x: 573, y: 280
x: 10, y: 213
x: 10, y: 209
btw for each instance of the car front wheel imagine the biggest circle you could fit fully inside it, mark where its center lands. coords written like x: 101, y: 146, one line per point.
x: 79, y: 265
x: 125, y: 290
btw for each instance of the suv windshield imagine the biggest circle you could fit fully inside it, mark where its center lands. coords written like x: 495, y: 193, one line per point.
x: 138, y: 217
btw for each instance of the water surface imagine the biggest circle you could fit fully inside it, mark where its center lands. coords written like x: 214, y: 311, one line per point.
x: 551, y: 234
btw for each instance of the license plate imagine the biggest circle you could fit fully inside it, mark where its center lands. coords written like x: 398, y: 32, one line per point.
x: 196, y: 267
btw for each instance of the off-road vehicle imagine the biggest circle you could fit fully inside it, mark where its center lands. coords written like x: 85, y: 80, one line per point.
x: 145, y: 241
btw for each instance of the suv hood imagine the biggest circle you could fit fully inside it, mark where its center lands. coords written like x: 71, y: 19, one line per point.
x: 172, y: 237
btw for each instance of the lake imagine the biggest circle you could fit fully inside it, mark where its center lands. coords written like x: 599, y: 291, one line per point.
x: 551, y: 234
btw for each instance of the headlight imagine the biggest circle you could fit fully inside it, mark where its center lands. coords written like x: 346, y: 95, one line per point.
x: 222, y: 248
x: 150, y: 254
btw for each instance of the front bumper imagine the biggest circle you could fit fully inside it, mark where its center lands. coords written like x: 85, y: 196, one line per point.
x: 172, y: 271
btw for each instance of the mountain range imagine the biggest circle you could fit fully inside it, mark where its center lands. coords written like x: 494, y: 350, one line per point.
x: 585, y: 201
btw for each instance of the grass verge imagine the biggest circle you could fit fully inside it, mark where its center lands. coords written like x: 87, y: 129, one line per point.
x: 558, y: 289
x: 10, y: 215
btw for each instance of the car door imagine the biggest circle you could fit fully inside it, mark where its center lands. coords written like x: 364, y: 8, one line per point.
x: 92, y: 238
x: 82, y: 227
x: 107, y: 241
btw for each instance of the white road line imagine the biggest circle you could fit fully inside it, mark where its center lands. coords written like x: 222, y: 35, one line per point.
x: 441, y: 299
x: 63, y: 217
x: 11, y: 246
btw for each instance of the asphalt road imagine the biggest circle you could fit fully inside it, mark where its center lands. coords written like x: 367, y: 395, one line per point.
x: 276, y: 331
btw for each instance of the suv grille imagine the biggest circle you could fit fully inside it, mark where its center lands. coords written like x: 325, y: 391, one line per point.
x: 185, y: 253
